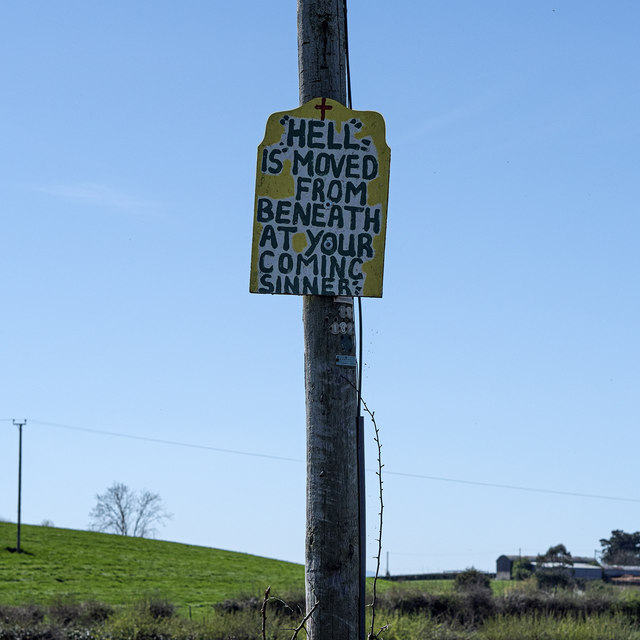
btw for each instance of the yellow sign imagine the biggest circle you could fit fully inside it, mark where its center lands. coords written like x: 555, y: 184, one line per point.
x: 322, y: 186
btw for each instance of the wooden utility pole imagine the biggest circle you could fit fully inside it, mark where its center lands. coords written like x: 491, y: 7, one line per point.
x: 332, y: 537
x: 19, y: 424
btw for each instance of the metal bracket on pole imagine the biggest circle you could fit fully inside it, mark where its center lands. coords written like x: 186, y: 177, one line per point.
x: 346, y: 361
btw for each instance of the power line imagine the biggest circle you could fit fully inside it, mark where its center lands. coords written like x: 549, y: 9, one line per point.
x: 174, y: 443
x: 418, y: 476
x: 496, y: 485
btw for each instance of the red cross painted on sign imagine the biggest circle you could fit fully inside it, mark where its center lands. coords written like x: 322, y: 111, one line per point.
x: 323, y: 106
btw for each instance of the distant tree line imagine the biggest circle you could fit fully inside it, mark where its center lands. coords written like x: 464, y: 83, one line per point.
x: 621, y: 548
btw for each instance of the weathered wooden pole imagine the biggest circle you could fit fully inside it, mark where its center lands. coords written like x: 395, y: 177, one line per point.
x: 332, y: 537
x: 19, y: 424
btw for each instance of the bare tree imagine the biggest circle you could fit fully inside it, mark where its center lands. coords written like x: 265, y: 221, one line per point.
x: 149, y: 514
x: 123, y: 511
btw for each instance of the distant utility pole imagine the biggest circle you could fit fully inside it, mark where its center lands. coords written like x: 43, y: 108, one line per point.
x: 332, y: 559
x: 19, y: 424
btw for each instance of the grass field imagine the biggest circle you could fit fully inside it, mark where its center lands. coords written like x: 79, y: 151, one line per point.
x: 156, y: 589
x: 118, y: 569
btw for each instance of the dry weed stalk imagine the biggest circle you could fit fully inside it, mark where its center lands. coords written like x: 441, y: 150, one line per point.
x: 263, y: 614
x: 304, y: 620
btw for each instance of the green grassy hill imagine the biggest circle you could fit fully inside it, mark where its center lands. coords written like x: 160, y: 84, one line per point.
x: 120, y: 570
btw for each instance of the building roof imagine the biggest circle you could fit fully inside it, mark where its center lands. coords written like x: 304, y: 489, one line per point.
x: 575, y: 559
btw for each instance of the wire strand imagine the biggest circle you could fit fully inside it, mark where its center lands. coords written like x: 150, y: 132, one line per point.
x: 497, y: 485
x: 405, y: 474
x: 174, y: 443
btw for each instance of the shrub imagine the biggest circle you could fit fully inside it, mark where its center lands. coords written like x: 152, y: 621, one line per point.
x: 629, y: 604
x: 65, y: 611
x: 407, y: 600
x: 289, y: 605
x: 27, y: 615
x: 234, y: 605
x: 155, y: 607
x: 472, y: 579
x: 478, y: 604
x: 553, y: 578
x: 522, y: 569
x: 95, y: 612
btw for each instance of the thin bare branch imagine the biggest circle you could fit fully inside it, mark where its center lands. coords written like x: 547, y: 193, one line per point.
x: 304, y: 620
x: 263, y: 612
x: 378, y: 555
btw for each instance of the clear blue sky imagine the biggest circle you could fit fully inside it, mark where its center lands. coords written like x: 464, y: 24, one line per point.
x: 505, y: 349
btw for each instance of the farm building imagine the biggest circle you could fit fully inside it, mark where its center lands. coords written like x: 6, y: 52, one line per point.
x: 504, y: 565
x: 584, y: 568
x: 581, y: 570
x: 618, y: 571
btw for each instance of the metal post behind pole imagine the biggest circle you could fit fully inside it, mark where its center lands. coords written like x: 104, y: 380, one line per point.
x: 362, y: 524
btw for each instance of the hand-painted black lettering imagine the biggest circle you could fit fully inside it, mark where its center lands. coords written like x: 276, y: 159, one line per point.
x: 369, y: 167
x: 269, y: 235
x: 353, y: 190
x: 317, y: 218
x: 262, y: 264
x: 334, y: 191
x: 348, y: 143
x: 316, y: 132
x: 364, y: 245
x: 314, y: 241
x: 301, y: 214
x: 331, y: 143
x: 336, y: 219
x: 355, y: 269
x: 353, y: 166
x: 296, y: 135
x: 328, y: 287
x: 303, y: 264
x: 266, y: 286
x: 343, y: 287
x: 283, y: 210
x: 337, y: 267
x: 291, y: 285
x: 372, y: 219
x: 318, y: 190
x: 287, y: 236
x: 310, y: 286
x: 285, y: 263
x: 329, y: 243
x: 302, y: 162
x: 276, y: 164
x: 302, y: 186
x: 265, y: 210
x: 350, y: 250
x: 353, y: 211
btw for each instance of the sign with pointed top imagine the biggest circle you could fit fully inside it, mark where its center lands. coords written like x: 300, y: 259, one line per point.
x: 320, y: 217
